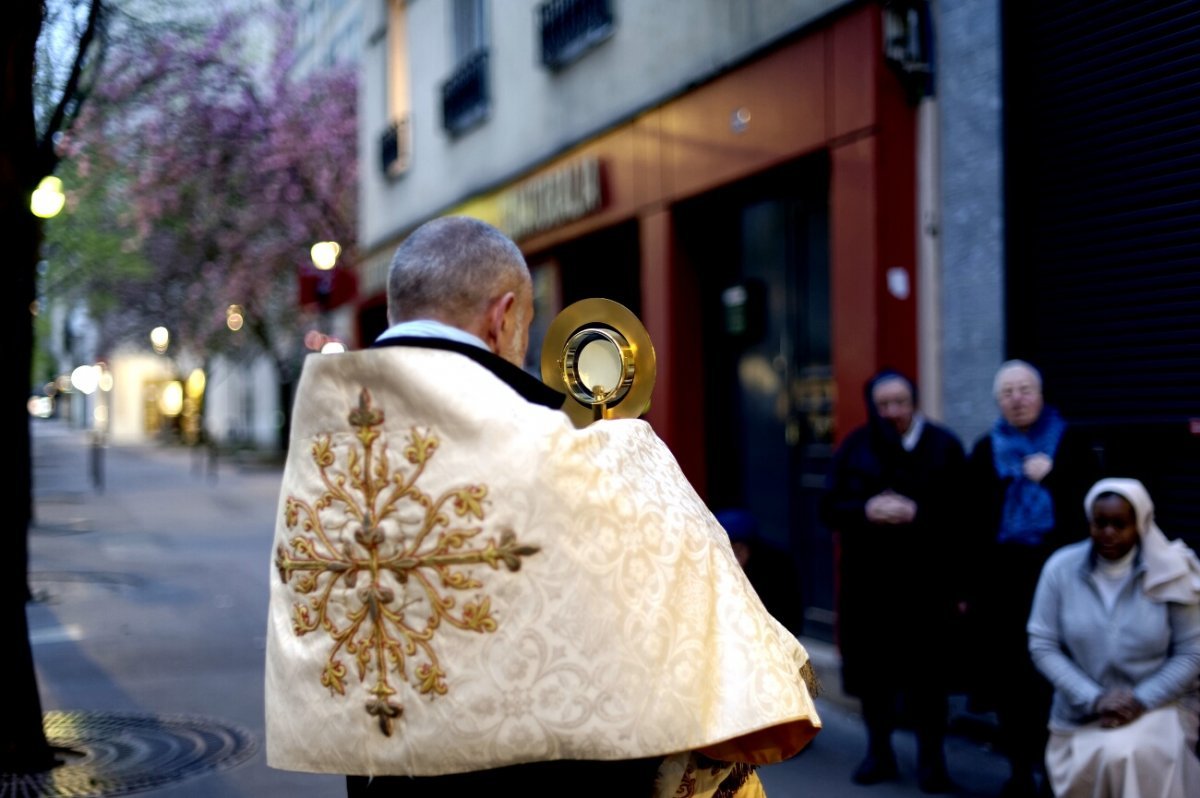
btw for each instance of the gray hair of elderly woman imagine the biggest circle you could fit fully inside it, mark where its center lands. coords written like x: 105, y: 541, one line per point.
x: 1010, y: 365
x: 450, y: 269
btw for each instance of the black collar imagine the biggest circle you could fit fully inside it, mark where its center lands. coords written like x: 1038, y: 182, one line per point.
x: 521, y: 381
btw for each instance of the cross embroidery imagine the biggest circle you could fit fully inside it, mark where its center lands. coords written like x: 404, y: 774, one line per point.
x: 386, y: 562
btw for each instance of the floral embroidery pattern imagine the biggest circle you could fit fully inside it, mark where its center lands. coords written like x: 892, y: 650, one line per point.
x: 377, y: 619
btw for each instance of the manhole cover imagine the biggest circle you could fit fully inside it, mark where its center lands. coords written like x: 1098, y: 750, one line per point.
x: 119, y: 754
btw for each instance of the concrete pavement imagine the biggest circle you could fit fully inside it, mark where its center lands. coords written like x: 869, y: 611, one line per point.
x: 150, y: 603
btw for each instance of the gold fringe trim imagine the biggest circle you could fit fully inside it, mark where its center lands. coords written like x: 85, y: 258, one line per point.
x: 809, y: 674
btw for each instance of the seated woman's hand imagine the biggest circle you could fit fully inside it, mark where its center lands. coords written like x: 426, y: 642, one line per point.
x: 1118, y: 707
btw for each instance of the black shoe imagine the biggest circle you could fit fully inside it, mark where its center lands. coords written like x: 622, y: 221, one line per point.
x: 932, y: 776
x: 873, y: 770
x: 1020, y: 786
x: 935, y: 779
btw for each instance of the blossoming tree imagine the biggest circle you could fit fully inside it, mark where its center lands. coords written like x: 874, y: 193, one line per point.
x: 224, y: 169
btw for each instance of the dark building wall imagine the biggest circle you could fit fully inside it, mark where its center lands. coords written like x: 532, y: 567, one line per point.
x: 1103, y: 218
x: 970, y: 224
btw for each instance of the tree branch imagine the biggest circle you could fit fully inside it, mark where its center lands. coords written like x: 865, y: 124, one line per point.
x: 47, y: 157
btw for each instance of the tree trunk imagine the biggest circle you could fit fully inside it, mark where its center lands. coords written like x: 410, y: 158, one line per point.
x: 23, y: 745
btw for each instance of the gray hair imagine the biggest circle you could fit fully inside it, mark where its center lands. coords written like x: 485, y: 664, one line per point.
x: 450, y: 269
x: 1010, y: 365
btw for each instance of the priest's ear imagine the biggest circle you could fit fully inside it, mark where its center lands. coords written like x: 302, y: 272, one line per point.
x: 495, y: 318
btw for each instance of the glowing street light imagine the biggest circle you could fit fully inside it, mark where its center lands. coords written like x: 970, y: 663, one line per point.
x: 325, y: 254
x: 85, y: 379
x: 234, y: 318
x: 48, y: 198
x: 159, y: 339
x: 194, y: 387
x: 170, y: 401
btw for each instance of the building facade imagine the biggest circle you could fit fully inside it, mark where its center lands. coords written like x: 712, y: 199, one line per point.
x: 743, y: 177
x: 329, y: 33
x: 1070, y: 233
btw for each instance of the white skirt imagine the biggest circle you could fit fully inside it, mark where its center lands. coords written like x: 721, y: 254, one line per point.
x: 1153, y: 757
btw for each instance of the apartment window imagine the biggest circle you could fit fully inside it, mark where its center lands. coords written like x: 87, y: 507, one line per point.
x: 395, y: 147
x: 570, y: 28
x: 470, y: 33
x: 395, y: 143
x: 466, y: 97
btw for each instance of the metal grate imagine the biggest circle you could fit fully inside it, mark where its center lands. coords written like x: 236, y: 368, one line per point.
x: 1104, y: 218
x: 572, y: 27
x: 1102, y: 105
x: 110, y: 753
x: 465, y: 95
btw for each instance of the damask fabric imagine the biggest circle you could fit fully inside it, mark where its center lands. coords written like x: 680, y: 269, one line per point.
x: 463, y: 580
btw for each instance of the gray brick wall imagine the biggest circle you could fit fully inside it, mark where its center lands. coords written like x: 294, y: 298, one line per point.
x: 967, y: 38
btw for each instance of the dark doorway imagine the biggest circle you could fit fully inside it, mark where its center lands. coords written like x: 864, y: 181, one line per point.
x: 761, y: 253
x: 605, y: 264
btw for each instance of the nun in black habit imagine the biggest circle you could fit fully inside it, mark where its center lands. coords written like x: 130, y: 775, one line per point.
x: 893, y: 500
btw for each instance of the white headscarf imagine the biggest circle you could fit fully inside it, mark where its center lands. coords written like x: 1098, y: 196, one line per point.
x: 1172, y: 569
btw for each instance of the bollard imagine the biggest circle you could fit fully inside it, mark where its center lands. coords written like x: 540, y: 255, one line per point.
x: 212, y: 460
x: 97, y: 462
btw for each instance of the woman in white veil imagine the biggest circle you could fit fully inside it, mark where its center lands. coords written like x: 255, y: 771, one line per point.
x: 1115, y: 628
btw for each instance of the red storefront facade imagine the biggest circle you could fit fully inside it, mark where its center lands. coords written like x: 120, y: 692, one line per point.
x: 799, y: 161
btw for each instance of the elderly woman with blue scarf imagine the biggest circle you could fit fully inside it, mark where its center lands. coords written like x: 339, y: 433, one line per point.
x: 1115, y: 627
x: 1029, y: 475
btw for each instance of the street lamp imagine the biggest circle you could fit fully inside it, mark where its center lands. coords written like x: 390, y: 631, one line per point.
x: 324, y: 257
x: 325, y: 254
x: 48, y: 198
x: 104, y: 382
x: 85, y: 379
x: 159, y: 339
x: 170, y: 400
x: 194, y: 386
x: 234, y: 318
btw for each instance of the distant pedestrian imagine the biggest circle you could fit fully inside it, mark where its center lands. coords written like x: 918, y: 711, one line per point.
x: 893, y: 497
x: 1116, y: 629
x: 1028, y: 476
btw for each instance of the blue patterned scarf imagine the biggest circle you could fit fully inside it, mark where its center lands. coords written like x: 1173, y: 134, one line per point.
x: 1028, y: 507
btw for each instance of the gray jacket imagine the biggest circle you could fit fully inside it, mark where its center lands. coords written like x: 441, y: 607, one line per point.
x: 1084, y: 650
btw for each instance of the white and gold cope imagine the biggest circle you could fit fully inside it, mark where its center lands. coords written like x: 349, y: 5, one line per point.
x: 464, y: 579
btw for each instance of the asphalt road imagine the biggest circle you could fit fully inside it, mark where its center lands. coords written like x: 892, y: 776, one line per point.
x: 150, y: 606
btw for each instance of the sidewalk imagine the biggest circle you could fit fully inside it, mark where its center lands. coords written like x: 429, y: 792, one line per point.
x: 148, y: 633
x: 149, y: 621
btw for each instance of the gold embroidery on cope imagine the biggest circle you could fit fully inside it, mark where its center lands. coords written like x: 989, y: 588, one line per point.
x: 419, y: 554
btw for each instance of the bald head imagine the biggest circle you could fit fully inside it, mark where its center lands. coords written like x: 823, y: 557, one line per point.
x: 465, y: 273
x: 1018, y: 391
